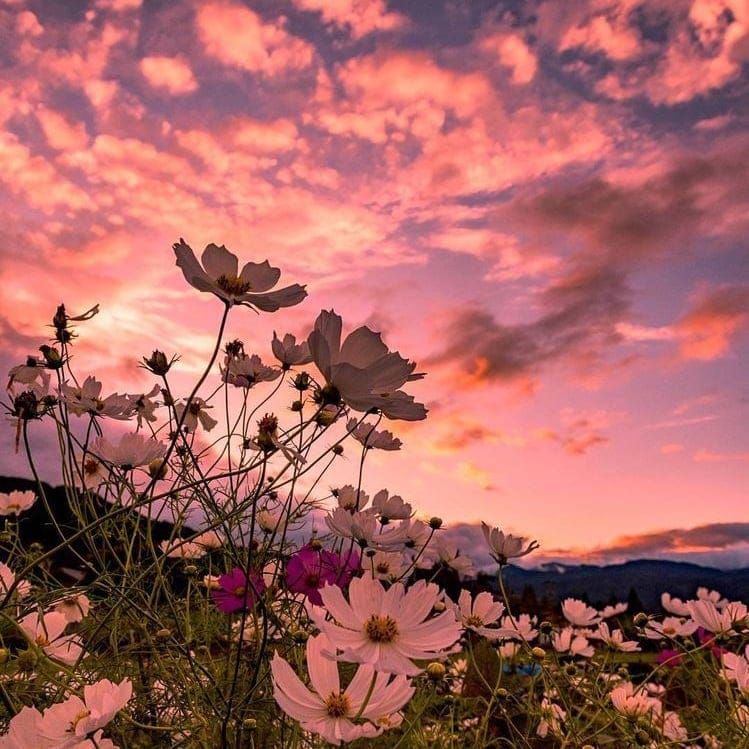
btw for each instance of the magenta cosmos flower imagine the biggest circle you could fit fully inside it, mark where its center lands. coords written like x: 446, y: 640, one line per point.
x: 237, y: 591
x: 309, y: 570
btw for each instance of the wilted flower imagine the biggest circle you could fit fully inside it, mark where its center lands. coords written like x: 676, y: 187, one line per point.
x: 238, y: 591
x: 196, y: 412
x: 289, y: 352
x: 220, y: 275
x: 388, y: 629
x: 505, y: 547
x: 339, y: 716
x: 16, y: 502
x: 371, y: 438
x: 309, y: 570
x: 133, y: 449
x: 362, y: 373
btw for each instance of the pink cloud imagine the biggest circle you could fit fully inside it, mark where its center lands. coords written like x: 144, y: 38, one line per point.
x: 672, y: 448
x: 610, y: 34
x: 512, y: 51
x: 238, y: 37
x: 61, y: 134
x: 711, y: 456
x: 169, y: 73
x: 359, y: 17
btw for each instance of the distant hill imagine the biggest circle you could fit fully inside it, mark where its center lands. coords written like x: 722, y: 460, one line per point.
x: 649, y: 578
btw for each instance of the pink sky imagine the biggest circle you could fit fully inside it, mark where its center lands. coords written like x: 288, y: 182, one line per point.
x: 545, y: 204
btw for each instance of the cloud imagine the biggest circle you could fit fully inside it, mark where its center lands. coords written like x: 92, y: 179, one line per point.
x: 358, y: 17
x: 169, y: 73
x: 717, y: 316
x: 580, y: 312
x: 710, y: 456
x: 238, y: 37
x: 61, y: 134
x: 512, y: 51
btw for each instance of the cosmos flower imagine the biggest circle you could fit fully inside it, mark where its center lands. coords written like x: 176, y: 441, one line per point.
x: 289, y: 352
x: 481, y: 612
x: 28, y: 373
x: 237, y: 591
x: 74, y: 608
x: 608, y: 611
x: 704, y: 594
x: 552, y: 717
x: 144, y: 406
x: 338, y: 716
x: 16, y: 502
x: 633, y: 703
x: 671, y: 626
x: 362, y: 526
x: 86, y: 399
x: 384, y: 565
x: 505, y: 547
x: 133, y: 449
x: 350, y: 498
x: 579, y: 613
x: 368, y: 436
x: 520, y: 627
x: 391, y: 508
x: 566, y: 641
x: 245, y: 371
x: 219, y: 274
x: 309, y: 570
x: 362, y: 372
x: 674, y: 605
x: 615, y: 639
x: 7, y: 578
x: 708, y: 616
x: 388, y: 629
x: 445, y: 552
x: 196, y: 412
x: 46, y: 631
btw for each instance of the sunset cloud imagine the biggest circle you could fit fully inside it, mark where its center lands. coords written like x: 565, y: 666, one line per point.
x: 169, y: 73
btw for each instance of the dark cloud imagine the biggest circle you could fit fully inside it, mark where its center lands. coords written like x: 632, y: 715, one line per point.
x: 577, y: 325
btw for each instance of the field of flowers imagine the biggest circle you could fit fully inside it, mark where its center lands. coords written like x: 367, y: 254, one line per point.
x: 295, y: 616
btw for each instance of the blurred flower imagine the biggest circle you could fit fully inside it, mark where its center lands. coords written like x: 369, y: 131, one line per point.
x: 362, y: 373
x: 523, y: 627
x: 289, y: 352
x: 74, y: 608
x: 671, y: 626
x: 633, y: 703
x: 388, y: 629
x: 245, y: 371
x: 566, y: 641
x: 615, y: 639
x: 133, y: 449
x: 384, y: 565
x: 219, y: 275
x: 144, y: 406
x: 552, y: 717
x: 46, y: 631
x: 196, y: 412
x: 237, y: 591
x: 608, y: 611
x: 579, y: 613
x: 505, y: 547
x: 16, y: 502
x: 350, y: 498
x: 330, y: 712
x: 371, y: 438
x: 309, y: 570
x: 390, y: 508
x: 674, y: 605
x: 447, y: 553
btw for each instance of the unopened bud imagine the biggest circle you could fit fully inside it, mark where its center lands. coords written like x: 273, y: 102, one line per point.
x: 435, y: 523
x: 52, y: 357
x: 337, y: 449
x: 249, y: 724
x: 157, y: 363
x: 439, y: 606
x: 4, y: 655
x: 157, y: 469
x: 191, y: 570
x: 299, y: 635
x: 164, y: 634
x: 27, y: 660
x: 501, y: 693
x: 640, y: 620
x: 436, y: 671
x: 546, y: 627
x: 315, y: 544
x: 539, y: 653
x: 297, y: 406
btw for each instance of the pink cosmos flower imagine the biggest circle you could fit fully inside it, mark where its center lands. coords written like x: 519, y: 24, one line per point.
x: 388, y: 629
x: 339, y: 716
x: 632, y: 702
x: 615, y: 639
x: 368, y: 436
x: 47, y: 633
x: 133, y: 449
x: 309, y: 570
x: 566, y: 641
x: 580, y: 614
x: 480, y: 613
x: 504, y: 547
x: 219, y: 274
x: 238, y: 591
x: 74, y: 608
x: 289, y: 352
x: 16, y: 502
x: 717, y: 619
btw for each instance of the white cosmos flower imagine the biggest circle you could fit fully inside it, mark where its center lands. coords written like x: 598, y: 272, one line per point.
x: 289, y: 352
x: 579, y: 613
x: 133, y: 449
x: 368, y: 436
x: 87, y: 399
x: 351, y: 498
x: 220, y: 275
x: 389, y: 629
x: 339, y: 716
x: 16, y: 502
x: 245, y: 371
x: 480, y: 613
x: 362, y: 372
x: 74, y: 608
x: 505, y: 547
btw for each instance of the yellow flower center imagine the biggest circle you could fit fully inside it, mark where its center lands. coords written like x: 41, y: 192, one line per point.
x: 233, y: 284
x: 78, y: 718
x: 240, y: 590
x: 382, y: 568
x: 42, y: 640
x: 337, y: 705
x: 381, y: 628
x: 474, y: 621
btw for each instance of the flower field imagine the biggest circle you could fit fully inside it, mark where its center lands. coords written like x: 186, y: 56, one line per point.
x: 277, y: 611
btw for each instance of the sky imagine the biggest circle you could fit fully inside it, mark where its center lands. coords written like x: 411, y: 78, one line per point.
x: 545, y: 204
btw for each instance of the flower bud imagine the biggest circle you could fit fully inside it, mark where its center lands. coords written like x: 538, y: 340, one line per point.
x: 337, y: 449
x: 27, y: 660
x: 501, y: 693
x: 439, y: 606
x: 164, y: 634
x: 297, y: 406
x: 436, y: 671
x: 539, y: 653
x: 315, y: 544
x: 191, y: 570
x: 4, y: 655
x: 546, y: 627
x: 435, y: 523
x: 52, y: 357
x: 640, y: 620
x: 157, y: 469
x: 302, y: 382
x: 299, y: 635
x: 249, y: 724
x: 158, y: 363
